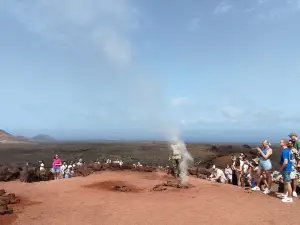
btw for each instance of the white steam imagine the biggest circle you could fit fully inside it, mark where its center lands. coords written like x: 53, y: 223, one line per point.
x: 145, y: 97
x: 185, y: 161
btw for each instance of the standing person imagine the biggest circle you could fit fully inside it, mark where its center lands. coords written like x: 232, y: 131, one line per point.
x: 62, y: 169
x: 236, y: 168
x: 234, y: 176
x: 56, y: 166
x: 286, y: 169
x: 264, y: 166
x: 295, y: 156
x: 296, y: 142
x: 176, y: 157
x: 228, y: 174
x: 244, y: 169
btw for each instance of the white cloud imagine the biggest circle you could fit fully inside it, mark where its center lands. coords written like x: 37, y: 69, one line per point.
x: 107, y: 24
x: 223, y: 7
x: 193, y: 24
x: 261, y: 9
x: 238, y: 117
x: 178, y: 101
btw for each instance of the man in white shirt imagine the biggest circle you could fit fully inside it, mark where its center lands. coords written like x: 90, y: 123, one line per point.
x: 63, y: 167
x: 218, y: 175
x: 79, y: 163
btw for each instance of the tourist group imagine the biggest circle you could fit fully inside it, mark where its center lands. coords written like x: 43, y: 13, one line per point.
x: 257, y: 174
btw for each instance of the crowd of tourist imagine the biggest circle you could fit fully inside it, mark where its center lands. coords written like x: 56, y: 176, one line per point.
x: 254, y: 174
x: 62, y: 169
x: 257, y: 173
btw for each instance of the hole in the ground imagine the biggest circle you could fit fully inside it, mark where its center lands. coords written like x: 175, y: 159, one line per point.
x: 120, y: 186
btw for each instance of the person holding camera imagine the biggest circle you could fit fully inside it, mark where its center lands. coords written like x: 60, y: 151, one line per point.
x: 264, y: 165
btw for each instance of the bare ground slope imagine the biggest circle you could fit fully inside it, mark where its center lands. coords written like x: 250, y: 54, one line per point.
x: 91, y: 200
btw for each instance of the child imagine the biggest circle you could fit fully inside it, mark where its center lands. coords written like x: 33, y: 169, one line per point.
x: 250, y: 181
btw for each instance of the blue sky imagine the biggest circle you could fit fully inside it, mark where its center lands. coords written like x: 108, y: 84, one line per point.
x: 143, y: 69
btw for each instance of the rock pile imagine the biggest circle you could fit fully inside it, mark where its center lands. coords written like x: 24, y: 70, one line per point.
x: 122, y: 188
x: 5, y: 200
x: 94, y: 167
x: 9, y: 173
x: 164, y: 186
x: 26, y: 174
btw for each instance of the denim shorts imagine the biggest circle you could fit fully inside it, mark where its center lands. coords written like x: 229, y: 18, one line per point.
x: 56, y: 170
x: 286, y: 176
x: 265, y: 165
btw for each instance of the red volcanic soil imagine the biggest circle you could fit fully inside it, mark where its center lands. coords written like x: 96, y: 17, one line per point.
x: 93, y: 200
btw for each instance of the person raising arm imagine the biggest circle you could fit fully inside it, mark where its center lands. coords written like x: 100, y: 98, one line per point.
x: 264, y: 165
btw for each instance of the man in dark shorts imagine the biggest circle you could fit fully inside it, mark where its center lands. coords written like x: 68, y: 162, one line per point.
x: 286, y: 169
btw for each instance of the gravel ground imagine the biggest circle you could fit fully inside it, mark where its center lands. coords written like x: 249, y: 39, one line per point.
x: 92, y: 200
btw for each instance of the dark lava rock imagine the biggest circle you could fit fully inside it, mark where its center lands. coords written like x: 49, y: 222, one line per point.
x: 159, y: 188
x: 246, y: 146
x: 8, y: 173
x: 122, y: 188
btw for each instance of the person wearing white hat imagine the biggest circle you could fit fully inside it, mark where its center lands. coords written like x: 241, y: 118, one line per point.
x: 218, y: 175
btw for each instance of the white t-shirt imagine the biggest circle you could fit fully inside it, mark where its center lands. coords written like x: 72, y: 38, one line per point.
x: 220, y: 173
x: 242, y: 163
x: 228, y: 173
x: 42, y: 166
x: 245, y: 168
x: 62, y: 169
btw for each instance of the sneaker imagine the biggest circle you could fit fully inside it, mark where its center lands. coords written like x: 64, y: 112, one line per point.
x: 295, y: 194
x: 287, y: 200
x: 282, y: 196
x: 256, y: 188
x: 266, y: 191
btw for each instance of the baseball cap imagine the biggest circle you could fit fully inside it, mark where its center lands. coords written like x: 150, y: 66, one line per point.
x: 293, y: 134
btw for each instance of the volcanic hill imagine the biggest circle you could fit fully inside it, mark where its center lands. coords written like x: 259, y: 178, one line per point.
x: 43, y: 138
x: 8, y: 138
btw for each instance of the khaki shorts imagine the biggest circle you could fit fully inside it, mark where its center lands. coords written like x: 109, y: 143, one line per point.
x: 176, y: 157
x: 293, y: 175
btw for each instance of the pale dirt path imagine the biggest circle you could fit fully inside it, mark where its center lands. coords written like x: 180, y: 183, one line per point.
x: 68, y: 202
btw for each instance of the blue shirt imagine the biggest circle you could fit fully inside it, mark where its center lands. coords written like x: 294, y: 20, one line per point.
x: 286, y: 154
